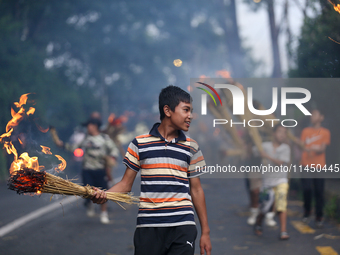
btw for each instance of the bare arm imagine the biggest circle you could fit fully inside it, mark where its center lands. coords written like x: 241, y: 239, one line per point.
x: 198, y: 200
x: 317, y: 148
x: 124, y: 185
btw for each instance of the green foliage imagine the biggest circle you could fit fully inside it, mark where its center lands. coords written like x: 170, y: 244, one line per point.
x: 317, y: 54
x: 75, y: 53
x: 59, y: 100
x: 332, y: 208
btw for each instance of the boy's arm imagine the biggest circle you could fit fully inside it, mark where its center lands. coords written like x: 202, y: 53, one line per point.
x: 125, y: 185
x: 198, y: 200
x: 318, y: 148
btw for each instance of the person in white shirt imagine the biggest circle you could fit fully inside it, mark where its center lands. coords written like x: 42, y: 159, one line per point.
x: 275, y: 181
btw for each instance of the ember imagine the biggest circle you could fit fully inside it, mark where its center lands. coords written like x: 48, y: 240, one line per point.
x: 27, y: 181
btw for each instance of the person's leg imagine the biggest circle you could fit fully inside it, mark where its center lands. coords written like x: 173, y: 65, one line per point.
x: 281, y: 193
x: 150, y: 241
x: 269, y: 218
x: 319, y: 186
x: 266, y: 202
x: 247, y: 183
x: 255, y: 185
x: 307, y: 196
x: 258, y: 224
x: 183, y: 240
x: 254, y: 209
x: 283, y: 225
x: 100, y: 182
x: 283, y: 221
x: 254, y: 198
x: 103, y: 207
x: 88, y: 180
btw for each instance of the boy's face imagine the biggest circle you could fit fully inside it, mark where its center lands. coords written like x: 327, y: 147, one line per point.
x: 181, y: 117
x: 316, y: 117
x: 92, y: 129
x: 280, y: 134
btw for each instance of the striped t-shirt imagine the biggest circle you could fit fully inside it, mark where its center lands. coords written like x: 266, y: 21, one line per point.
x: 165, y: 167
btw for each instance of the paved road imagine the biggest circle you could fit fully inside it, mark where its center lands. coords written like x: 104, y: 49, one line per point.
x: 67, y: 229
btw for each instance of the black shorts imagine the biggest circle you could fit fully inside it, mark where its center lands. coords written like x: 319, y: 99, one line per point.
x: 95, y: 178
x: 178, y: 240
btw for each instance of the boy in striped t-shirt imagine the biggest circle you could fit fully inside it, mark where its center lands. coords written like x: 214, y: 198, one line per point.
x: 168, y: 161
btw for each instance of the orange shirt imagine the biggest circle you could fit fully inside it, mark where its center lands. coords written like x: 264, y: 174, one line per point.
x: 311, y: 136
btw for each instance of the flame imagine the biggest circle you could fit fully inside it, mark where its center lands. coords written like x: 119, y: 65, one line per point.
x: 12, y: 112
x: 46, y: 150
x: 41, y: 129
x: 17, y: 117
x: 62, y: 165
x: 25, y: 161
x: 113, y: 121
x: 22, y: 100
x: 31, y: 111
x: 223, y: 73
x: 202, y: 77
x: 336, y: 7
x: 22, y: 167
x: 333, y: 40
x: 111, y: 117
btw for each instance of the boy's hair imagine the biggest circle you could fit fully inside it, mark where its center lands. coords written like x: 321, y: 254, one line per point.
x: 320, y: 110
x: 172, y: 96
x: 277, y: 126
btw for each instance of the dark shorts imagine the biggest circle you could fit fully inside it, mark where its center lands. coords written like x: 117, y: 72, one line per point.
x: 95, y: 178
x: 178, y: 240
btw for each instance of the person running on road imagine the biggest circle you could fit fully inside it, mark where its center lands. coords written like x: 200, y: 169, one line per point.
x: 275, y: 184
x: 100, y: 153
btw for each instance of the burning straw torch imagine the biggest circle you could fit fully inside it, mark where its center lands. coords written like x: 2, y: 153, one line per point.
x: 26, y: 175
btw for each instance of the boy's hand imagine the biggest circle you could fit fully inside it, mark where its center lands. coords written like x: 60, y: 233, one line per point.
x: 99, y: 196
x: 205, y: 244
x: 264, y: 155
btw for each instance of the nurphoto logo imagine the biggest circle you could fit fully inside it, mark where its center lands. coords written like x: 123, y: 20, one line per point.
x: 238, y: 103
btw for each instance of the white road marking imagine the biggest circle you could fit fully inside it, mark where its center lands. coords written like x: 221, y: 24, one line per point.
x: 33, y: 215
x: 38, y: 213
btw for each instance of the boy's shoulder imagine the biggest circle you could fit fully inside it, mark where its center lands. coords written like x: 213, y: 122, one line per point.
x: 325, y: 130
x: 144, y: 138
x: 309, y: 130
x: 147, y: 138
x: 146, y: 135
x: 190, y: 141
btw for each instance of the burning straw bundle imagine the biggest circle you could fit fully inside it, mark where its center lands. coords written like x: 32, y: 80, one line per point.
x: 30, y: 181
